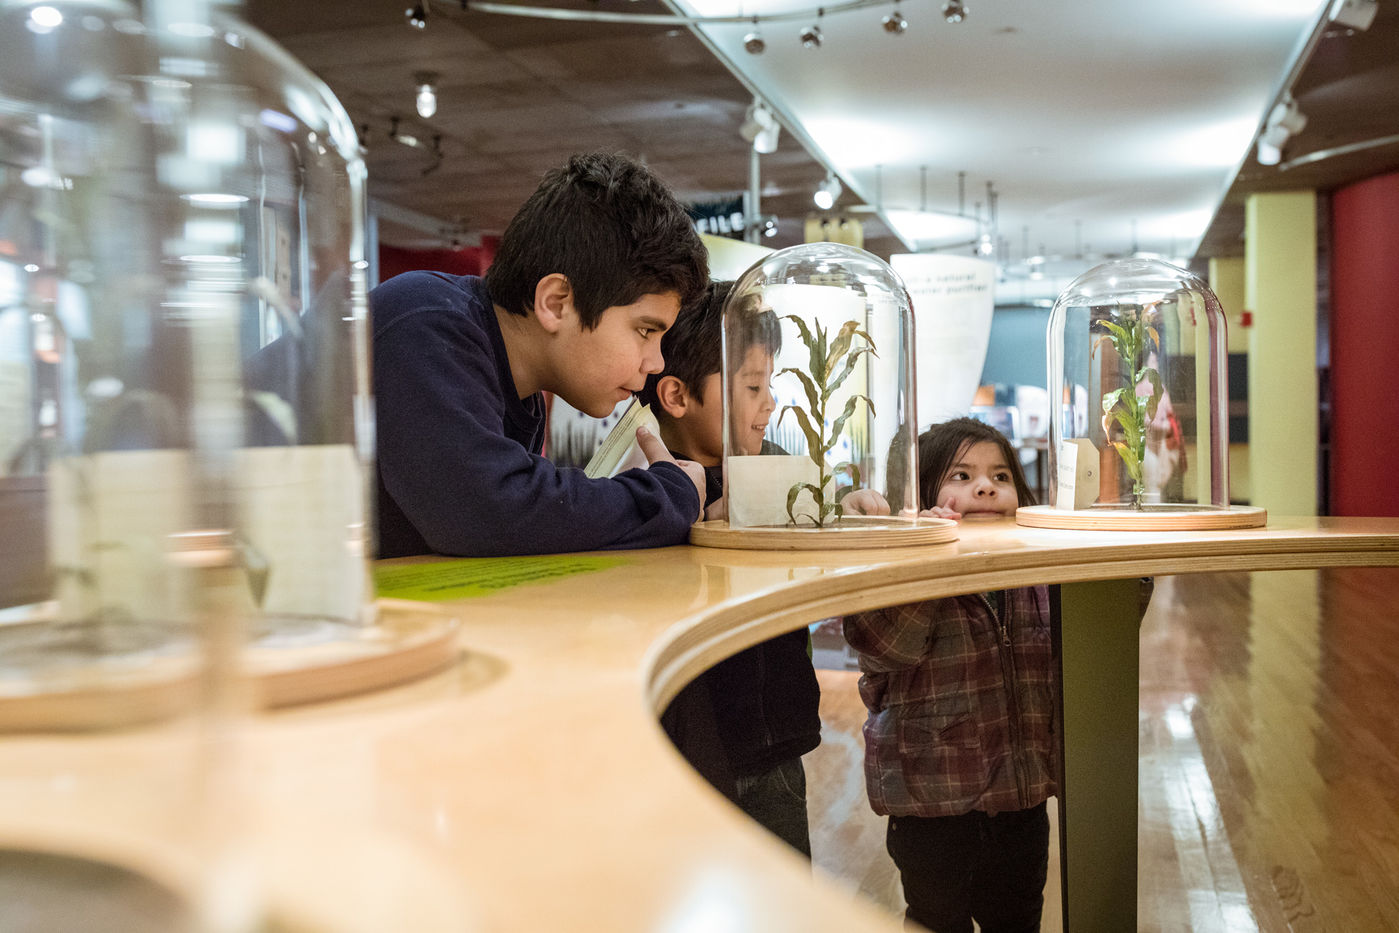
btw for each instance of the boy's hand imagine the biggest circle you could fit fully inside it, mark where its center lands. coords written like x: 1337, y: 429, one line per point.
x: 865, y: 502
x: 942, y: 511
x: 655, y: 453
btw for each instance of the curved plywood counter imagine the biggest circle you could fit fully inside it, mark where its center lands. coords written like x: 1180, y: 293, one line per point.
x: 529, y: 787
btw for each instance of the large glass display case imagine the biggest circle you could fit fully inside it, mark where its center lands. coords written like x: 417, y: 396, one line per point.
x: 820, y: 421
x: 182, y: 335
x: 185, y: 424
x: 1139, y: 403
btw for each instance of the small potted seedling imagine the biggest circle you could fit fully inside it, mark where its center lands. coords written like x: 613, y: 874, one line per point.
x: 832, y: 360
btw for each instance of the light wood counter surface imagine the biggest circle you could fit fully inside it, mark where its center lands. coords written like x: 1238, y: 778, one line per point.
x: 530, y: 787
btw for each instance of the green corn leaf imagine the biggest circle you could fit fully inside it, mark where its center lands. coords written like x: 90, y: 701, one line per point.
x: 813, y: 397
x: 813, y: 437
x: 796, y: 491
x: 809, y: 340
x: 841, y: 343
x: 849, y: 367
x: 839, y: 423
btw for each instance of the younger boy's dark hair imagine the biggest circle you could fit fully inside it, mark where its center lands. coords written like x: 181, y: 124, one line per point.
x: 940, y: 445
x: 611, y: 227
x: 691, y: 347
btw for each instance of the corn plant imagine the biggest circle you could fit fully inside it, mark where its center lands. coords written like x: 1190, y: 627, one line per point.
x: 1125, y: 405
x: 831, y: 363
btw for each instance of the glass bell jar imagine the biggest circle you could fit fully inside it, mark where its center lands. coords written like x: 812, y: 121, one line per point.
x: 184, y: 421
x: 820, y: 428
x: 1139, y: 404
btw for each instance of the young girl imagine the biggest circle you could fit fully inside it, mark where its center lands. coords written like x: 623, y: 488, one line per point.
x: 960, y: 744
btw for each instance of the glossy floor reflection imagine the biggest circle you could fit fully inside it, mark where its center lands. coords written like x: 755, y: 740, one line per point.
x: 1269, y: 759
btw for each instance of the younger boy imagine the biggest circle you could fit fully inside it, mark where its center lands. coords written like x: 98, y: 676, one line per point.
x: 763, y: 700
x: 589, y: 274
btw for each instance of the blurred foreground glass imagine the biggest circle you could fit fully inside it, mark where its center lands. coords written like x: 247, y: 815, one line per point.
x: 819, y: 390
x: 185, y: 420
x: 1139, y: 393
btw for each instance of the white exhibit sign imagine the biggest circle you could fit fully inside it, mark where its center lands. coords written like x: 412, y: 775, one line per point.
x: 953, y: 297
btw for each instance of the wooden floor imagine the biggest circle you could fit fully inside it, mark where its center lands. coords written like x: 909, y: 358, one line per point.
x: 1269, y: 759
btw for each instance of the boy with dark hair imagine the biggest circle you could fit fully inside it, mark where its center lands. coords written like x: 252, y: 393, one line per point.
x: 589, y: 274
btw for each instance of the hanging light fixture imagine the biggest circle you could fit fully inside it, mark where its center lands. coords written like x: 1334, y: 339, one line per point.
x: 827, y: 192
x: 426, y: 83
x: 416, y: 16
x: 811, y: 36
x: 954, y: 11
x: 760, y: 127
x: 754, y: 43
x: 894, y: 23
x: 1284, y: 121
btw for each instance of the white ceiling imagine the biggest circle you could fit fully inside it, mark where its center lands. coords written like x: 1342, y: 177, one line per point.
x: 1104, y: 125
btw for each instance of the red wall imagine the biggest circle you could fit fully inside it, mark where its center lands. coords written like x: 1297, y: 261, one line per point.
x: 1365, y: 348
x: 472, y: 260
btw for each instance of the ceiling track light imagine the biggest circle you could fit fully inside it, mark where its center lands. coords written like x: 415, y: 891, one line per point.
x: 760, y: 127
x: 754, y: 43
x: 954, y: 11
x: 426, y: 100
x: 1284, y: 121
x: 894, y: 23
x: 827, y: 192
x: 416, y: 15
x: 811, y: 36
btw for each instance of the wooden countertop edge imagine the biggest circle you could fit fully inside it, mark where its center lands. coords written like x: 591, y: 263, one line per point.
x: 701, y: 640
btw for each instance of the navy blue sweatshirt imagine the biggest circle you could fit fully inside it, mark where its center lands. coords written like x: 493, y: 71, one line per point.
x: 459, y: 470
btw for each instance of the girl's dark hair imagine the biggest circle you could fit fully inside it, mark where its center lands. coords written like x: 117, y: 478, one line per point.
x: 940, y: 446
x: 611, y: 227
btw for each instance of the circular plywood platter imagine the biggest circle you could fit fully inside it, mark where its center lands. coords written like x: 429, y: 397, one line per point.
x: 851, y: 533
x: 1183, y: 518
x: 302, y: 661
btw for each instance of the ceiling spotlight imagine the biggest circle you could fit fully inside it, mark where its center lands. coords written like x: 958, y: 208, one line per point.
x: 426, y: 82
x: 895, y: 23
x: 827, y: 192
x: 417, y: 16
x: 1357, y: 14
x: 770, y: 225
x: 811, y: 37
x: 754, y: 43
x: 760, y: 127
x: 954, y: 11
x: 1284, y: 121
x: 1288, y: 116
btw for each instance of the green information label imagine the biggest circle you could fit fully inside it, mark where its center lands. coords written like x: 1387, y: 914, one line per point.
x: 480, y: 576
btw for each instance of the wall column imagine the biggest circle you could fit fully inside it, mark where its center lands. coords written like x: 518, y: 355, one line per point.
x: 1280, y: 291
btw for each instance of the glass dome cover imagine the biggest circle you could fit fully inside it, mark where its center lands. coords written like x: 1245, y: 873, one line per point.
x: 182, y: 336
x: 1138, y: 389
x: 819, y: 393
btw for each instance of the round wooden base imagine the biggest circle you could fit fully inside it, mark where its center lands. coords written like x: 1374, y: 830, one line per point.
x: 321, y: 660
x: 1153, y: 518
x: 853, y: 531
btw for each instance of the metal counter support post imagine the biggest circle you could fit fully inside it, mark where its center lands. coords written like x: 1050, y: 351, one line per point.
x: 1097, y: 627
